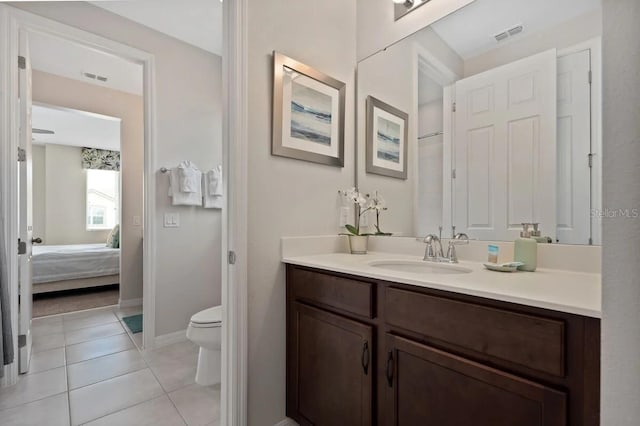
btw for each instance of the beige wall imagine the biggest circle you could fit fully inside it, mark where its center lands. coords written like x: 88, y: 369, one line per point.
x: 54, y: 90
x: 575, y: 31
x: 286, y: 196
x: 621, y: 189
x: 60, y: 197
x: 188, y: 99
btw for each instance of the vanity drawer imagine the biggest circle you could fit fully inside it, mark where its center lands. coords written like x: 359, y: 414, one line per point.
x: 341, y: 293
x: 531, y: 341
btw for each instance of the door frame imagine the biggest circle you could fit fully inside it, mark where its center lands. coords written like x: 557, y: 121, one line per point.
x: 14, y: 20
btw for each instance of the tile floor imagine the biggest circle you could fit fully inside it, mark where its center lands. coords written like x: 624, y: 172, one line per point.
x: 87, y: 370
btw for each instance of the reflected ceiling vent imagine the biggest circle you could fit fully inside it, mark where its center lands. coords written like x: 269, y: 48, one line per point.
x: 95, y: 77
x: 503, y: 35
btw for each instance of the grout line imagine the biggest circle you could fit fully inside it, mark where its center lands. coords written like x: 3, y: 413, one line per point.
x: 35, y: 400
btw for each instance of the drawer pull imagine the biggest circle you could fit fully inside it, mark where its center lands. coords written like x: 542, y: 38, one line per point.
x: 390, y: 369
x: 365, y: 357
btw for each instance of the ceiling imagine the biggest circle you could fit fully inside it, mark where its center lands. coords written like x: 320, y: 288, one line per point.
x: 67, y: 59
x: 75, y: 128
x: 470, y: 30
x: 197, y: 22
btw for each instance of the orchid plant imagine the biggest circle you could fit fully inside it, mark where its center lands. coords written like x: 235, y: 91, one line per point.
x: 363, y: 203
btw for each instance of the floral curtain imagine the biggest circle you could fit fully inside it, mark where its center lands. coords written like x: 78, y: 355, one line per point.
x: 100, y: 159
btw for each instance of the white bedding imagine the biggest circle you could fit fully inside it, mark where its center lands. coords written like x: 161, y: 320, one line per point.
x: 68, y: 262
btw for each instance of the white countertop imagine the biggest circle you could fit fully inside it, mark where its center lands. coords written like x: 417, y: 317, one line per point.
x: 565, y: 291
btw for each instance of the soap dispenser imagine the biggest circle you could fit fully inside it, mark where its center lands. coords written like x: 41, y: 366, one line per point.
x: 526, y: 250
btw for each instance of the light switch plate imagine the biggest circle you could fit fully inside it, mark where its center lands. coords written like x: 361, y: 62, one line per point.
x: 344, y: 215
x: 137, y: 221
x: 364, y: 219
x: 171, y: 220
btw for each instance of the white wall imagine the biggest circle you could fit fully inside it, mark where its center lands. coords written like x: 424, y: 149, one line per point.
x: 621, y: 189
x: 188, y: 85
x: 70, y: 93
x: 377, y: 28
x: 286, y: 196
x: 60, y: 197
x: 567, y: 34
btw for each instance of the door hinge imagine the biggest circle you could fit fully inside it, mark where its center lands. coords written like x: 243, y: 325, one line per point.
x: 590, y: 76
x: 22, y: 247
x: 22, y: 155
x: 22, y: 340
x: 453, y: 107
x: 232, y: 257
x: 590, y: 159
x: 22, y: 63
x: 453, y: 174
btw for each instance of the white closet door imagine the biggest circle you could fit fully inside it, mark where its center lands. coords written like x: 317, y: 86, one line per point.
x: 574, y: 146
x: 505, y: 149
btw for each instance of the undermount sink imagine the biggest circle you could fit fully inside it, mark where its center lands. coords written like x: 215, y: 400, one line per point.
x: 419, y: 267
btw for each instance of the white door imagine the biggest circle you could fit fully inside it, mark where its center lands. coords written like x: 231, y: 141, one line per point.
x: 25, y: 216
x: 574, y: 147
x: 505, y: 149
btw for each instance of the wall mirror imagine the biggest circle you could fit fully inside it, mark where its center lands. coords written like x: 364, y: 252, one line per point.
x: 503, y: 99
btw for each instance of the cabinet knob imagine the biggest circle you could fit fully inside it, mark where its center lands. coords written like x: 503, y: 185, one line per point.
x: 365, y: 357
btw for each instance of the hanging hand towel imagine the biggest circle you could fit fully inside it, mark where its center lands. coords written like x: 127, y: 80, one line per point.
x: 212, y: 184
x: 180, y: 198
x: 189, y: 177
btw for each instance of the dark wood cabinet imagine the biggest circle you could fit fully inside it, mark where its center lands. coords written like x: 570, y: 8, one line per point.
x: 368, y: 352
x: 427, y: 386
x: 331, y: 371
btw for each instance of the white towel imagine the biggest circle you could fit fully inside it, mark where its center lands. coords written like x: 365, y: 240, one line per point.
x: 180, y: 198
x: 189, y: 178
x: 212, y: 188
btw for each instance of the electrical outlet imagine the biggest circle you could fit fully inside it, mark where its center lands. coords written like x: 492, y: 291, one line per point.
x: 137, y: 221
x: 171, y: 220
x: 344, y: 215
x: 364, y: 219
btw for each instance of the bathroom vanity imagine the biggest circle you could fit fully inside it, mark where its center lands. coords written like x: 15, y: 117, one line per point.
x: 362, y: 350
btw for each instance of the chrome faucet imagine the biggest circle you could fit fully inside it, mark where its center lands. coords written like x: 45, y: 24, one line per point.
x: 431, y: 253
x: 458, y: 239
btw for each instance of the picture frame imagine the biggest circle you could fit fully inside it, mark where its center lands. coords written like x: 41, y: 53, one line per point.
x: 386, y: 139
x: 308, y: 113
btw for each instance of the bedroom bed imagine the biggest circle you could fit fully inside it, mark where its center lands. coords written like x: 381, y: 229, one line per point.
x: 67, y: 267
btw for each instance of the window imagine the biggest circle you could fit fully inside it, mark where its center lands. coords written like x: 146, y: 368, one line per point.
x: 103, y: 199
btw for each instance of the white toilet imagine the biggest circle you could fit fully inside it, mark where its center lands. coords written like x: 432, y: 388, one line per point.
x: 205, y: 331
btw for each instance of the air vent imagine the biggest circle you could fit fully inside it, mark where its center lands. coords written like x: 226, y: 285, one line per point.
x: 93, y: 76
x: 503, y: 35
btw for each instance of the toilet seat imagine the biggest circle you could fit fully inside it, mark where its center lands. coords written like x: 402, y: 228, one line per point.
x: 211, y: 317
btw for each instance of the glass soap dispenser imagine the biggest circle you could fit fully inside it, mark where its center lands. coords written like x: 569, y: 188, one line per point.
x: 526, y: 250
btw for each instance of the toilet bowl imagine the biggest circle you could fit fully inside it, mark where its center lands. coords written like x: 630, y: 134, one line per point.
x: 205, y: 331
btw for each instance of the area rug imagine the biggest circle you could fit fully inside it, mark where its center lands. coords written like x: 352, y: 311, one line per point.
x: 61, y: 302
x: 134, y: 323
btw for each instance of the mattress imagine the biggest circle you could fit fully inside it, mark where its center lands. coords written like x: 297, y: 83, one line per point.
x: 69, y: 262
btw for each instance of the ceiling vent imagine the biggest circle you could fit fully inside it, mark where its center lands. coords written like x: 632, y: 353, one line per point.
x: 503, y: 35
x: 92, y: 76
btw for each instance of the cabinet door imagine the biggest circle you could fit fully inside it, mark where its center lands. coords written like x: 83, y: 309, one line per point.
x: 426, y: 386
x: 331, y: 373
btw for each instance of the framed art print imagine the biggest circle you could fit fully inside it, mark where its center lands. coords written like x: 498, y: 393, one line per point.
x: 387, y: 130
x: 308, y: 113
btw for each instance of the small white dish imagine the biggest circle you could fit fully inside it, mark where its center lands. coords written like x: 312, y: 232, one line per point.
x: 504, y: 267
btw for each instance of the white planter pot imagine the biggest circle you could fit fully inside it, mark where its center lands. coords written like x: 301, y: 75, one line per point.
x: 358, y: 244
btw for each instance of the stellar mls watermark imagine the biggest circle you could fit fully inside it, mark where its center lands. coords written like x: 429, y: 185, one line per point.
x: 608, y: 213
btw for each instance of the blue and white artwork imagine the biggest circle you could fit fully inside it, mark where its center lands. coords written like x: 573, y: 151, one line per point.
x: 388, y: 140
x: 310, y: 114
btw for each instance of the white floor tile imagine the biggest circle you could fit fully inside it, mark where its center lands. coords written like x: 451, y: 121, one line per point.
x: 34, y: 387
x: 198, y: 405
x: 95, y: 401
x: 174, y: 374
x: 47, y: 341
x: 46, y: 325
x: 175, y: 351
x: 103, y: 368
x: 157, y: 412
x: 46, y: 360
x: 91, y: 333
x: 97, y: 348
x: 52, y: 411
x: 78, y: 320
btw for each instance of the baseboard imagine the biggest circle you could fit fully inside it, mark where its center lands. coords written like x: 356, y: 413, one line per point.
x: 130, y: 303
x: 286, y: 422
x: 170, y: 338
